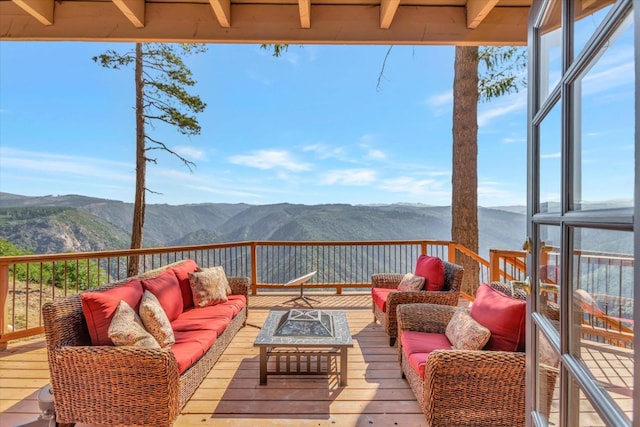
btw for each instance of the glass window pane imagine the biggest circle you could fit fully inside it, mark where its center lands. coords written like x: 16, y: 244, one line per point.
x: 549, y: 273
x: 603, y: 297
x: 550, y: 146
x: 550, y: 58
x: 588, y: 14
x: 605, y: 125
x: 548, y: 387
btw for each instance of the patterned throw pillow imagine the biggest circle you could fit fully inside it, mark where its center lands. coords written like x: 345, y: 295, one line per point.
x: 465, y: 333
x: 411, y: 282
x: 126, y: 328
x: 208, y: 286
x: 155, y: 320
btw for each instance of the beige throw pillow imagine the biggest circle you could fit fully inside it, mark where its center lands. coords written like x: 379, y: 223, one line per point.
x: 126, y: 329
x: 411, y: 282
x: 208, y: 286
x: 155, y: 320
x: 465, y: 333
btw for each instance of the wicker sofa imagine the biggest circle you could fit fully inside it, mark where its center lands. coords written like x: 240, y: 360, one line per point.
x: 135, y: 386
x: 385, y: 297
x: 457, y: 388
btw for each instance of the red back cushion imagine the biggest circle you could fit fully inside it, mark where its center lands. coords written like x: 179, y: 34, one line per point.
x: 504, y: 316
x: 182, y: 273
x: 166, y: 288
x: 99, y: 307
x: 432, y: 269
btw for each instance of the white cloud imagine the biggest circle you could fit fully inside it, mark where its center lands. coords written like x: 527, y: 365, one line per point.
x: 270, y: 159
x: 324, y: 151
x: 441, y: 102
x: 358, y: 177
x: 88, y: 168
x: 492, y: 193
x: 514, y: 140
x: 190, y: 153
x: 224, y: 191
x: 501, y: 107
x: 551, y: 156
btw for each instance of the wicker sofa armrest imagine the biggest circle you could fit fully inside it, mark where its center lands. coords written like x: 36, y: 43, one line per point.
x: 386, y: 280
x: 117, y: 377
x: 475, y: 388
x: 424, y: 317
x: 239, y: 285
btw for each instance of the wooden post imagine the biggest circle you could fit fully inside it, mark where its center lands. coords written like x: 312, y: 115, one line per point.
x: 254, y: 269
x: 494, y: 266
x: 451, y: 257
x: 4, y: 295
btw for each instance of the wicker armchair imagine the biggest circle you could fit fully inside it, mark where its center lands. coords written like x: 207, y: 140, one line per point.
x: 467, y: 387
x: 450, y: 295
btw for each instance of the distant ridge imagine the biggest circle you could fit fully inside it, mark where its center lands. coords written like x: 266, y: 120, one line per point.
x: 168, y: 225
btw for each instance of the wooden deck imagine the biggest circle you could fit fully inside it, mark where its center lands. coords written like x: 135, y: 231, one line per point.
x: 230, y: 395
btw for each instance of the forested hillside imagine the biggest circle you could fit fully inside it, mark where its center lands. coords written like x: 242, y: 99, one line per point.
x: 77, y: 223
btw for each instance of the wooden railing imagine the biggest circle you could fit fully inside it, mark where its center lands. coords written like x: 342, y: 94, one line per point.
x: 27, y: 282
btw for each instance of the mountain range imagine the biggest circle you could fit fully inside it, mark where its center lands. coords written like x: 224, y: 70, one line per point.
x: 72, y: 223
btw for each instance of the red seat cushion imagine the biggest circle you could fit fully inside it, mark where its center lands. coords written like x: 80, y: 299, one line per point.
x: 190, y: 346
x: 211, y: 318
x: 432, y: 269
x: 418, y: 345
x: 504, y: 316
x: 380, y: 295
x: 99, y: 307
x: 166, y: 288
x: 182, y: 273
x: 236, y: 302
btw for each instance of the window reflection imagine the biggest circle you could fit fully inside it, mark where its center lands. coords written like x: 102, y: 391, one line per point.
x: 588, y: 14
x: 550, y: 146
x: 549, y: 273
x: 550, y: 56
x: 548, y: 387
x: 603, y: 296
x: 604, y: 130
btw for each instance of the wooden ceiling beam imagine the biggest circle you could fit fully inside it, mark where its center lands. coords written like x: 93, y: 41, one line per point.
x: 388, y: 10
x: 305, y: 13
x: 268, y: 23
x: 222, y: 10
x: 133, y: 10
x: 42, y: 10
x: 477, y: 11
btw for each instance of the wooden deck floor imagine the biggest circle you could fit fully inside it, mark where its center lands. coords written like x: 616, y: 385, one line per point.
x: 230, y: 395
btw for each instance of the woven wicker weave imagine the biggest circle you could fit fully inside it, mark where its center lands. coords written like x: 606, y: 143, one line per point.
x: 111, y: 385
x: 450, y: 295
x: 464, y: 387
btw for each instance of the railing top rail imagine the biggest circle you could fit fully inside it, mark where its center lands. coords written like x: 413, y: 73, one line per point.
x: 7, y: 260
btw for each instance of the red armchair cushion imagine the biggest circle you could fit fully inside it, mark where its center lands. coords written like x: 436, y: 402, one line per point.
x: 100, y: 306
x: 380, y: 295
x: 432, y: 269
x: 504, y: 316
x: 418, y: 345
x: 182, y: 273
x: 165, y: 287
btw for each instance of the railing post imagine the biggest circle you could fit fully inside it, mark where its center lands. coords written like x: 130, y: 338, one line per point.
x: 451, y: 256
x: 494, y: 266
x: 423, y: 248
x: 4, y: 295
x: 254, y: 269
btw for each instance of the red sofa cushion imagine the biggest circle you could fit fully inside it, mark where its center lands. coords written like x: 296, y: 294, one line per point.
x: 190, y: 346
x: 380, y: 295
x: 432, y: 269
x: 418, y: 345
x: 166, y: 288
x: 99, y: 307
x: 504, y: 316
x: 236, y: 302
x: 182, y: 273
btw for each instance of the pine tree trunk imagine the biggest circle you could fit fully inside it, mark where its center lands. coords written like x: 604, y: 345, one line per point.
x: 464, y: 204
x: 141, y: 166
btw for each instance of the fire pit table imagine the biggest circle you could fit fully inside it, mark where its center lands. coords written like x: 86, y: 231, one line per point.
x: 304, y: 342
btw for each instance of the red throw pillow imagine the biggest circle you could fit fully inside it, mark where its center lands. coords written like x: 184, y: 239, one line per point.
x: 504, y: 316
x: 99, y: 307
x: 432, y: 269
x: 182, y: 273
x: 165, y: 287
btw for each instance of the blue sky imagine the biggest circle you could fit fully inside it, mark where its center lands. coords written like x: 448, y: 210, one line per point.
x: 310, y: 127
